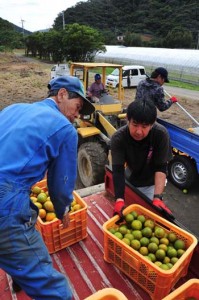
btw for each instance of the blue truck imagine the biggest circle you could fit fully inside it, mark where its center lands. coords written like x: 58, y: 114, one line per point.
x: 183, y: 169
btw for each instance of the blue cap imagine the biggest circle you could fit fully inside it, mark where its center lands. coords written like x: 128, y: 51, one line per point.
x: 72, y: 84
x: 97, y: 76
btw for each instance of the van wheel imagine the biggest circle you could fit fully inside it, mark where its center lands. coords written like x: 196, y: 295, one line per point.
x: 92, y: 159
x: 182, y: 171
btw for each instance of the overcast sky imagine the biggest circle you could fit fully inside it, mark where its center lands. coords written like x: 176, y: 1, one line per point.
x: 37, y: 14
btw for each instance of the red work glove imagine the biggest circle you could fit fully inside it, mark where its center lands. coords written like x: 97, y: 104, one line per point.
x: 118, y: 208
x: 174, y: 99
x: 160, y: 204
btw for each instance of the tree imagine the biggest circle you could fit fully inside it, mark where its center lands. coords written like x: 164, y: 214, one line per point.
x: 178, y: 38
x: 132, y: 40
x: 81, y: 42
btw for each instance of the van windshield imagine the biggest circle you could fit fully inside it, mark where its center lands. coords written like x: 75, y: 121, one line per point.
x: 115, y: 72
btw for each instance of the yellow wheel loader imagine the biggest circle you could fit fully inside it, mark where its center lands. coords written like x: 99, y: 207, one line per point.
x: 95, y: 131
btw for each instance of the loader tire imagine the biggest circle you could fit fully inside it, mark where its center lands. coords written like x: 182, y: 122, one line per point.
x: 92, y: 159
x: 182, y: 171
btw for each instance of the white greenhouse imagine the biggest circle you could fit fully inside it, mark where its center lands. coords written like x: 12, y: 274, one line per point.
x: 182, y: 64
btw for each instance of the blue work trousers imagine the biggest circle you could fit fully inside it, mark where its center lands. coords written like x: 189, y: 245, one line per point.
x: 23, y: 254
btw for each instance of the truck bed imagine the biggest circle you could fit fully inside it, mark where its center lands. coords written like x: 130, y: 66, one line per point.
x: 83, y: 262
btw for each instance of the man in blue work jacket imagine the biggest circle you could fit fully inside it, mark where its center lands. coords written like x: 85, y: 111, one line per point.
x: 36, y: 138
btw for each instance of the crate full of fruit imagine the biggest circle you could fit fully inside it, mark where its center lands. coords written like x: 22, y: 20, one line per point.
x: 54, y: 235
x: 150, y: 250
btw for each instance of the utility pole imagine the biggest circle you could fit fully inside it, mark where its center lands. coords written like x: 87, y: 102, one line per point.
x: 22, y: 21
x: 63, y: 19
x: 198, y: 41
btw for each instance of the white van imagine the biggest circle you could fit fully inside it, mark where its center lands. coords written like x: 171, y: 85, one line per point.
x: 59, y: 70
x: 131, y: 76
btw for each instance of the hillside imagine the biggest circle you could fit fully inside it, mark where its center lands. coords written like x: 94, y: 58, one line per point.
x: 154, y: 18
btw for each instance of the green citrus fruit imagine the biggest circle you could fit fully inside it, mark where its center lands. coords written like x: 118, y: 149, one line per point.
x: 180, y: 252
x: 179, y: 244
x: 152, y: 256
x: 149, y: 223
x: 172, y: 252
x: 112, y: 230
x: 159, y: 232
x: 141, y: 218
x: 135, y: 244
x: 144, y: 250
x: 162, y: 246
x: 42, y: 197
x: 154, y: 239
x: 129, y: 236
x: 123, y: 229
x: 164, y: 266
x: 152, y: 247
x: 172, y: 237
x: 174, y: 260
x: 160, y: 254
x: 118, y: 235
x: 144, y: 241
x: 129, y: 218
x: 148, y: 257
x: 137, y: 234
x: 136, y: 225
x: 164, y: 240
x: 157, y: 263
x: 169, y: 265
x: 166, y: 260
x: 126, y: 241
x: 134, y: 213
x: 147, y: 232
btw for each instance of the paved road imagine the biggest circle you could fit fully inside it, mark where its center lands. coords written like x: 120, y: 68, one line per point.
x: 185, y: 207
x: 183, y: 93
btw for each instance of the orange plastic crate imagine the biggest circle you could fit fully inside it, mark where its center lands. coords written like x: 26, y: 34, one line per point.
x: 189, y: 289
x: 107, y: 294
x: 54, y: 235
x: 157, y: 282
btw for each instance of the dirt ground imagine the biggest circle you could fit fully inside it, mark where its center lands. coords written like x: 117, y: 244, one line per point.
x: 25, y: 80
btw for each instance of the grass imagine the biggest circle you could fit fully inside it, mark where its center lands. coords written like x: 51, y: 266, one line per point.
x: 183, y: 85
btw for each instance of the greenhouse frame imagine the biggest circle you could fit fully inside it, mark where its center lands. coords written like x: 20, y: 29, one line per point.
x: 182, y: 64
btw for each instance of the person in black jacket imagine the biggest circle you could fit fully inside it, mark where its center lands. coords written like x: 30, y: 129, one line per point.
x: 151, y: 89
x: 143, y: 146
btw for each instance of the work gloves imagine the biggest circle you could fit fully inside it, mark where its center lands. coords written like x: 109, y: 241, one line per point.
x: 161, y: 205
x: 174, y: 99
x: 118, y: 208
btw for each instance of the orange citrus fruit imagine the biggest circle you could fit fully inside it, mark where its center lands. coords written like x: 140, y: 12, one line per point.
x: 42, y: 213
x: 48, y: 205
x: 50, y: 216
